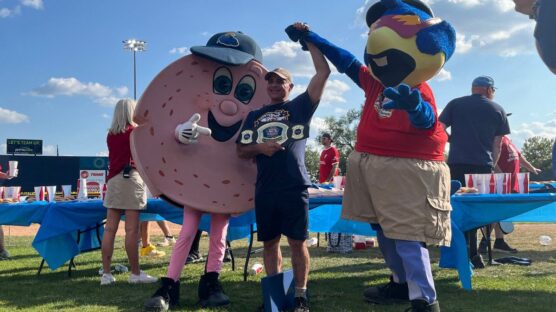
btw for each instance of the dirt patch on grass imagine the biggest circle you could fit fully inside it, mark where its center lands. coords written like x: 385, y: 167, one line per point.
x: 32, y: 230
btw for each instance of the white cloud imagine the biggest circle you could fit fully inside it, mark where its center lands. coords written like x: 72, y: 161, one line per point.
x: 12, y: 117
x: 468, y: 3
x: 527, y: 130
x: 180, y: 50
x: 334, y: 91
x: 289, y: 55
x: 318, y: 124
x: 72, y: 87
x: 102, y: 153
x: 106, y: 116
x: 3, y: 148
x: 443, y: 75
x: 35, y: 4
x: 5, y: 12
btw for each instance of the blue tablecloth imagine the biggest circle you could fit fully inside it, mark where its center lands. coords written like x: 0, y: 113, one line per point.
x: 56, y: 239
x: 472, y: 211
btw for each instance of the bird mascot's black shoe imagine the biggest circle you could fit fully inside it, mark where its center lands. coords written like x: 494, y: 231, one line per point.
x: 211, y: 293
x: 167, y: 296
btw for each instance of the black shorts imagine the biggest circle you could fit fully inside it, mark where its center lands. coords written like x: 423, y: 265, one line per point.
x: 282, y: 212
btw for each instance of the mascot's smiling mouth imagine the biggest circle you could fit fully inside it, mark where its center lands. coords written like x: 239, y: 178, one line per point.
x: 221, y: 133
x: 391, y: 67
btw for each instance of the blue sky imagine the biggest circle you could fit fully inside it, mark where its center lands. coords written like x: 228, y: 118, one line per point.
x: 63, y: 67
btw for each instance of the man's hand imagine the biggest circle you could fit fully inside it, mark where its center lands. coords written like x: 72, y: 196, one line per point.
x: 188, y: 132
x: 402, y: 98
x: 269, y: 148
x: 524, y: 6
x: 536, y: 170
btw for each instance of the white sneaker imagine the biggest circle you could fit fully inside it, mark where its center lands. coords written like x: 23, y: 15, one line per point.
x: 167, y: 242
x: 142, y: 278
x: 107, y: 279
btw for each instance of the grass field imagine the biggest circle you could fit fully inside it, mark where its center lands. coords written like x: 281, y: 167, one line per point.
x: 336, y: 281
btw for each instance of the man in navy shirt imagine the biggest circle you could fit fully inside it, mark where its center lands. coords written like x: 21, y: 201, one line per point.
x: 477, y: 127
x: 276, y: 136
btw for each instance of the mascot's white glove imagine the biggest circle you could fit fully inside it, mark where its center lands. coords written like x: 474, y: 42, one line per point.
x: 188, y: 132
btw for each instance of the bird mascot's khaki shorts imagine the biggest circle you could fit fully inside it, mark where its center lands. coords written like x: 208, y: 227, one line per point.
x: 409, y: 198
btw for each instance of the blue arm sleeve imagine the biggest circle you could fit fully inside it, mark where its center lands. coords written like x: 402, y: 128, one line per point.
x: 422, y: 117
x: 344, y: 61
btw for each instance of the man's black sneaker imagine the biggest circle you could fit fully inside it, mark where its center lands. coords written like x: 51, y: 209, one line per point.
x: 193, y: 257
x: 483, y: 246
x: 388, y: 293
x: 477, y: 262
x: 502, y: 246
x: 301, y: 304
x: 420, y: 305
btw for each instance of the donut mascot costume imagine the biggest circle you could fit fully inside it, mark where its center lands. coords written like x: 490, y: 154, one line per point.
x: 184, y: 147
x: 397, y: 179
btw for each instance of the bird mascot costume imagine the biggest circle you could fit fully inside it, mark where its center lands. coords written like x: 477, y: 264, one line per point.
x: 397, y: 179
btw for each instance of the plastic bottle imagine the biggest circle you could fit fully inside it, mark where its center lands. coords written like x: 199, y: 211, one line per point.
x: 545, y: 240
x: 312, y: 241
x: 256, y: 269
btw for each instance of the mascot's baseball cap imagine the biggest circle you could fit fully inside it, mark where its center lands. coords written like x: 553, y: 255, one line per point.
x: 280, y: 72
x: 232, y: 47
x: 483, y: 81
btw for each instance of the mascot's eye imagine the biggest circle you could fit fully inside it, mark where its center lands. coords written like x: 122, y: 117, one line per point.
x: 222, y: 81
x: 245, y: 89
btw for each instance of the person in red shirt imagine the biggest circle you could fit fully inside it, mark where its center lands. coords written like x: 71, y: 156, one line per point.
x: 329, y: 160
x: 510, y: 161
x: 125, y: 194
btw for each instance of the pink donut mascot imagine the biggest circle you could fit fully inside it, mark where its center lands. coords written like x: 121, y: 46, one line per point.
x: 184, y: 147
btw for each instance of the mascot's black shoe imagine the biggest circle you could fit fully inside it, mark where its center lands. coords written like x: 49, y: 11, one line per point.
x: 211, y: 293
x: 420, y: 305
x: 168, y: 295
x: 387, y: 294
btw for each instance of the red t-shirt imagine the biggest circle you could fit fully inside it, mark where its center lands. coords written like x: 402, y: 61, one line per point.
x: 119, y: 152
x: 389, y: 132
x: 328, y: 157
x: 509, y: 161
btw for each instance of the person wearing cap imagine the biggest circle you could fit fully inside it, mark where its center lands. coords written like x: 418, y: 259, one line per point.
x: 229, y: 68
x: 477, y: 127
x: 329, y: 160
x: 276, y: 136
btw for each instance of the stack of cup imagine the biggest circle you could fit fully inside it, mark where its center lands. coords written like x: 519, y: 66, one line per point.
x: 51, y: 193
x: 39, y: 193
x: 338, y: 182
x: 12, y: 171
x: 82, y: 188
x: 66, y: 191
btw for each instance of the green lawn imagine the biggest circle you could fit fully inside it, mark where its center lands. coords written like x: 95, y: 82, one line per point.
x: 336, y: 281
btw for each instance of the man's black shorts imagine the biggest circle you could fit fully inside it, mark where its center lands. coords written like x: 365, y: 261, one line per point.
x: 282, y: 212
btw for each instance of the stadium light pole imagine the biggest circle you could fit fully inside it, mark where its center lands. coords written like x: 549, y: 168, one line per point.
x: 135, y: 46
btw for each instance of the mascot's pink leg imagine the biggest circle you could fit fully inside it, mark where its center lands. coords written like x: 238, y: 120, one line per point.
x: 217, y: 248
x: 191, y: 219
